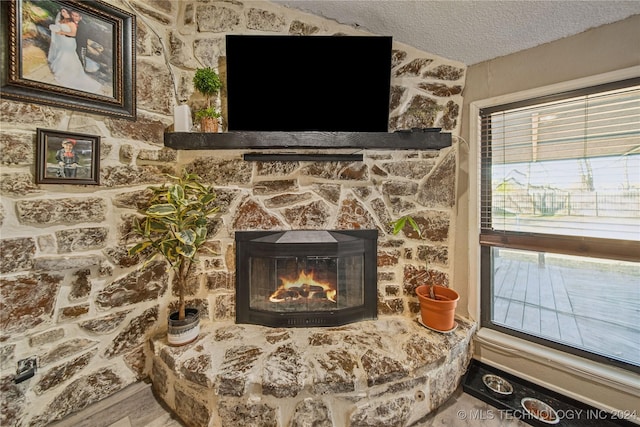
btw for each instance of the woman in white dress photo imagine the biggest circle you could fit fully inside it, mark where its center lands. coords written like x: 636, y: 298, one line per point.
x: 53, y: 46
x: 63, y: 59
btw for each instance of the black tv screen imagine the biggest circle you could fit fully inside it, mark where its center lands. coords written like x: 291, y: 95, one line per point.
x: 308, y: 83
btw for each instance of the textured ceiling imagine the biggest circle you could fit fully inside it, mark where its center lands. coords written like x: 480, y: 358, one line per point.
x: 471, y: 31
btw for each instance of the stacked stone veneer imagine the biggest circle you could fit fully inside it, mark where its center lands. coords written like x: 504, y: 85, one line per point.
x: 70, y: 294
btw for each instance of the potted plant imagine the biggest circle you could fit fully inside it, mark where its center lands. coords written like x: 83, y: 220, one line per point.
x: 437, y: 303
x: 174, y: 227
x: 207, y: 82
x: 208, y: 118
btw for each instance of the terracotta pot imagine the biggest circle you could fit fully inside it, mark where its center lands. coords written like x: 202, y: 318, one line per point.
x: 209, y: 124
x: 438, y: 314
x: 181, y: 332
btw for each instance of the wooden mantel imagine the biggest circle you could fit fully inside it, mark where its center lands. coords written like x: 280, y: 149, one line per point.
x: 429, y: 139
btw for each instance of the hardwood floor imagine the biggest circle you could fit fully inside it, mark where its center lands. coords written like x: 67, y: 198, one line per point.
x: 136, y: 406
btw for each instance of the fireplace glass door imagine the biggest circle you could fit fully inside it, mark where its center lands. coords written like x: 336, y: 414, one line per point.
x: 308, y: 283
x: 299, y: 278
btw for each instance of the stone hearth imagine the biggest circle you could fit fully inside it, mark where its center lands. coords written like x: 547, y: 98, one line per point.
x: 386, y: 372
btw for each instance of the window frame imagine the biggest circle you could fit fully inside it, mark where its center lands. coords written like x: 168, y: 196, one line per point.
x: 480, y: 244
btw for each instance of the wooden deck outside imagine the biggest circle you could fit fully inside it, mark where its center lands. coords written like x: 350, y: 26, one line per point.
x: 587, y: 308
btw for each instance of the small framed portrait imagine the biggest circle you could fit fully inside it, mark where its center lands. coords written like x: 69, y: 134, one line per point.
x: 67, y: 158
x: 69, y: 54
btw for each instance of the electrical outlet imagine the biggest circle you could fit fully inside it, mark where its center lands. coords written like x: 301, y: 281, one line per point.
x: 26, y: 369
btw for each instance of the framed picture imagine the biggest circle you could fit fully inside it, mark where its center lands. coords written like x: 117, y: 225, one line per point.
x: 67, y: 158
x: 69, y: 54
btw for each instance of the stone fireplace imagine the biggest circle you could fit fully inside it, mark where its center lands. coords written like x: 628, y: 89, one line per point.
x: 304, y: 278
x: 265, y: 356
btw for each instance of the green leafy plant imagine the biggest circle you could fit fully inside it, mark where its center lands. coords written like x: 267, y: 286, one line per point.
x: 174, y: 226
x: 207, y: 82
x: 400, y: 224
x: 207, y: 112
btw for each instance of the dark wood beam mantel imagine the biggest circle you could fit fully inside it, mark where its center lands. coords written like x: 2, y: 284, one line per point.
x: 411, y: 140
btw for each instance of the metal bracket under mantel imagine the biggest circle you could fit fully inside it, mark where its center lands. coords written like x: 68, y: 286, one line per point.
x: 416, y: 139
x: 301, y: 157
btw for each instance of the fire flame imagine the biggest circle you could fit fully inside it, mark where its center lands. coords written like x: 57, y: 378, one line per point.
x: 303, y: 286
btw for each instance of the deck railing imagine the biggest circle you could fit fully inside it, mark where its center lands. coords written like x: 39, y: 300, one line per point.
x: 623, y: 204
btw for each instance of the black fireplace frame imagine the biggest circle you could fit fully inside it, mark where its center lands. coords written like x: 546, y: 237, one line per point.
x: 245, y: 248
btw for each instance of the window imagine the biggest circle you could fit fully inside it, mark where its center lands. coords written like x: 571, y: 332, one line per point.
x: 560, y: 221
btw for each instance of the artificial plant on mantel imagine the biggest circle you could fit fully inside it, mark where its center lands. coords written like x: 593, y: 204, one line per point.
x: 207, y: 82
x: 174, y: 226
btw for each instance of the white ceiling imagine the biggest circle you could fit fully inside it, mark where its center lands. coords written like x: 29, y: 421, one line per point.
x: 472, y: 31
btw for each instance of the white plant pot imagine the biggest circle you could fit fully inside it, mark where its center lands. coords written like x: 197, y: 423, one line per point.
x: 181, y: 332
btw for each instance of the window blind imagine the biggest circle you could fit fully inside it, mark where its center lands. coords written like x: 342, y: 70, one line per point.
x: 565, y: 169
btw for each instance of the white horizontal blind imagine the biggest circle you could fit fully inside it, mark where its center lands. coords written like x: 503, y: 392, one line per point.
x: 567, y: 167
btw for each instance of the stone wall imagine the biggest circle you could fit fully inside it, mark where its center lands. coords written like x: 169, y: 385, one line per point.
x: 70, y: 294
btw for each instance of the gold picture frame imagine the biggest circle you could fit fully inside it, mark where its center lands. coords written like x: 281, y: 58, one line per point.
x: 70, y: 54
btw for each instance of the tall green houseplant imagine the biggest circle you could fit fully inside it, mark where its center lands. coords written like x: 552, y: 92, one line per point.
x: 174, y: 226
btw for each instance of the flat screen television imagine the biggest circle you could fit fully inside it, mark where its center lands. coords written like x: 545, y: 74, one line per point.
x: 308, y: 83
